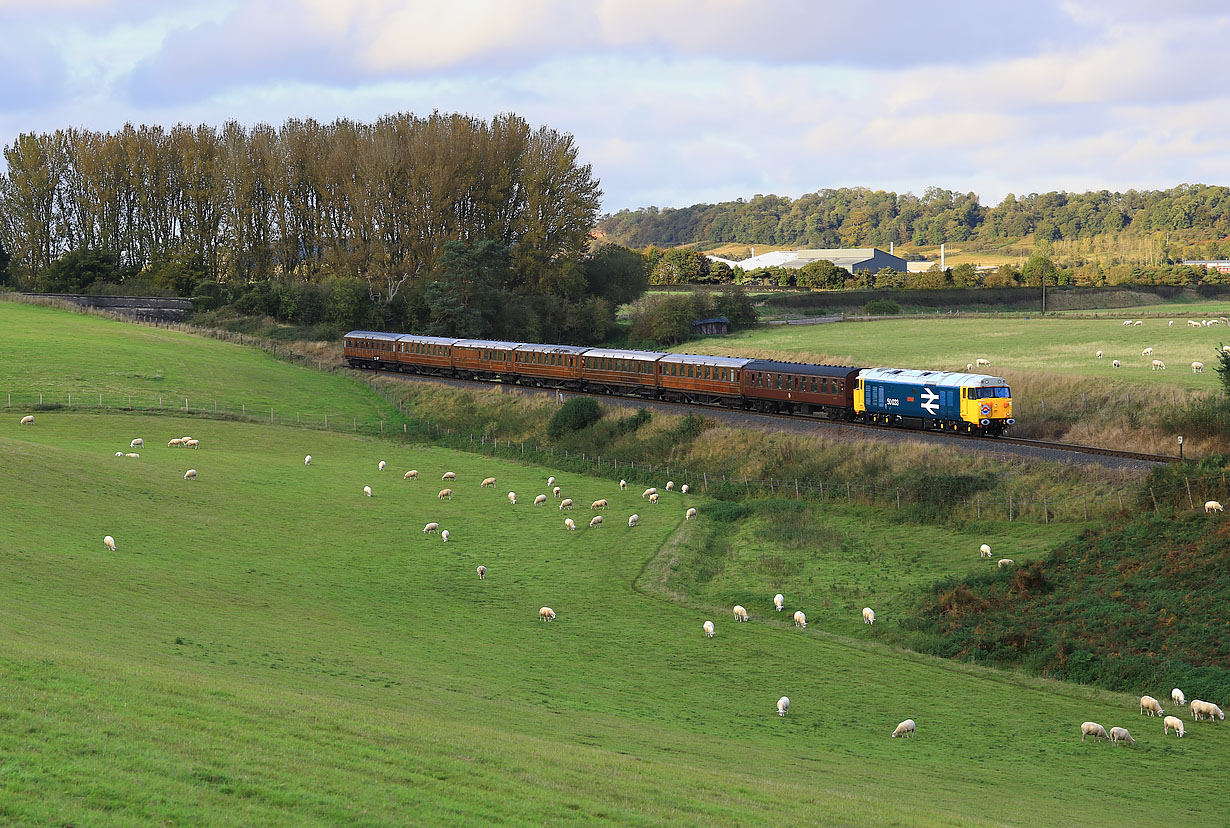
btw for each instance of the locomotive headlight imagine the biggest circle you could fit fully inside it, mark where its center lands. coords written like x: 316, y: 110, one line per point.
x: 1010, y: 421
x: 984, y: 421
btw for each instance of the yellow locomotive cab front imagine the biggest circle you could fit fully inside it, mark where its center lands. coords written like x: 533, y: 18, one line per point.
x: 988, y: 407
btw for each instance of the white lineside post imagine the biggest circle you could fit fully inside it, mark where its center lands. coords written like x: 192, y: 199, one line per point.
x: 185, y: 404
x: 100, y: 400
x: 271, y: 413
x: 70, y: 400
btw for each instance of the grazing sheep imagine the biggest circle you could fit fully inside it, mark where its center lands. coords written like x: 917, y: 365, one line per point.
x: 482, y: 573
x: 413, y: 474
x: 191, y: 475
x: 1197, y: 367
x: 1176, y: 696
x: 1226, y: 348
x: 1120, y: 734
x: 444, y: 536
x: 683, y: 489
x: 1127, y: 322
x: 740, y: 613
x: 623, y: 485
x: 1146, y: 352
x: 633, y: 520
x: 557, y: 492
x: 653, y: 498
x: 566, y: 503
x: 431, y: 527
x: 1173, y: 723
x: 546, y: 614
x: 175, y: 443
x: 540, y: 500
x: 1158, y: 365
x: 1003, y: 563
x: 779, y: 601
x: 1099, y: 354
x: 598, y: 504
x: 550, y: 481
x: 109, y: 542
x: 1114, y: 363
x: 449, y: 476
x: 670, y: 485
x: 1206, y: 710
x: 1138, y: 323
x: 708, y: 628
x: 1191, y: 323
x: 1212, y: 506
x: 982, y: 363
x: 569, y: 525
x: 648, y: 492
x: 119, y: 454
x: 380, y: 466
x: 27, y: 420
x: 869, y: 615
x: 596, y: 522
x: 1170, y: 324
x: 488, y: 483
x: 984, y: 551
x: 904, y: 730
x: 367, y: 491
x: 137, y: 443
x: 800, y: 620
x: 185, y: 440
x: 689, y: 514
x: 969, y: 366
x: 445, y: 494
x: 1150, y: 705
x: 307, y: 461
x: 512, y: 498
x: 196, y: 444
x: 1093, y: 729
x: 783, y: 706
x: 132, y: 454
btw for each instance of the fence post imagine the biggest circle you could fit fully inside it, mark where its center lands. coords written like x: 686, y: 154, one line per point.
x: 898, y: 499
x: 1046, y: 518
x: 354, y: 421
x: 100, y: 400
x: 326, y: 422
x: 160, y: 401
x: 978, y: 503
x: 1189, y: 492
x: 296, y: 418
x: 185, y: 403
x: 70, y: 400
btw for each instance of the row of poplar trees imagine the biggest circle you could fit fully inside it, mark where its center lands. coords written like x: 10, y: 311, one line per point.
x: 246, y: 204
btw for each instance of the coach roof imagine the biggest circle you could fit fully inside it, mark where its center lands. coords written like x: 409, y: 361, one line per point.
x: 551, y: 349
x: 804, y: 368
x: 615, y: 353
x: 428, y: 340
x: 702, y: 359
x: 380, y: 335
x: 487, y: 343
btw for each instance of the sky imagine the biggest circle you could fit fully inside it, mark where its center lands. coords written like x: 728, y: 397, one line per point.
x: 677, y: 102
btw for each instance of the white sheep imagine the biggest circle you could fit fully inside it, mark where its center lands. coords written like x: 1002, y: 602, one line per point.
x: 1150, y: 705
x: 175, y: 442
x: 1093, y: 729
x: 550, y: 481
x: 546, y: 614
x: 1212, y: 506
x: 445, y: 494
x: 380, y: 466
x: 869, y: 615
x: 982, y: 363
x: 800, y: 620
x: 1197, y: 367
x: 596, y: 522
x: 1099, y: 354
x: 598, y: 504
x: 783, y: 706
x: 740, y: 613
x: 1147, y: 351
x: 1004, y: 563
x: 512, y: 498
x: 779, y: 601
x: 623, y: 485
x: 633, y: 520
x: 444, y: 536
x: 137, y: 443
x: 683, y: 489
x: 413, y: 474
x: 566, y: 503
x: 132, y: 454
x: 1176, y: 696
x: 1138, y: 323
x: 569, y: 525
x: 482, y: 572
x: 109, y: 542
x: 184, y: 440
x: 27, y: 420
x: 969, y: 366
x: 367, y: 491
x: 557, y: 492
x: 191, y: 475
x: 488, y: 483
x: 307, y: 461
x: 653, y: 498
x: 1170, y: 324
x: 904, y: 730
x: 119, y: 454
x: 1191, y: 323
x: 1226, y: 348
x: 689, y: 514
x: 540, y: 500
x: 1158, y: 365
x: 1206, y: 710
x: 1127, y: 323
x: 449, y: 476
x: 1173, y: 723
x: 708, y: 628
x: 190, y: 443
x: 670, y: 485
x: 648, y: 492
x: 1120, y: 734
x: 984, y: 551
x: 1114, y: 363
x: 431, y: 527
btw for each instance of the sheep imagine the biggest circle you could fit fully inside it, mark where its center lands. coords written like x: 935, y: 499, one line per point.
x: 1212, y: 506
x: 175, y: 442
x: 449, y: 476
x: 648, y: 492
x: 1197, y: 367
x: 195, y: 444
x: 670, y: 485
x: 904, y: 730
x: 380, y: 466
x: 307, y: 461
x: 512, y: 498
x: 1114, y: 363
x: 569, y: 525
x: 689, y: 514
x: 984, y: 551
x: 444, y: 536
x: 184, y: 439
x: 1158, y: 365
x: 653, y: 498
x: 546, y: 614
x: 779, y: 601
x: 119, y: 454
x: 869, y: 615
x: 783, y: 706
x: 367, y: 491
x: 488, y: 483
x: 1191, y: 323
x: 1138, y: 323
x: 982, y: 363
x: 1093, y: 729
x: 800, y: 620
x: 1120, y: 734
x: 596, y: 522
x: 550, y: 481
x: 566, y: 503
x: 413, y: 474
x: 431, y: 527
x: 540, y: 500
x: 1173, y: 723
x: 132, y: 454
x: 109, y: 542
x: 633, y: 520
x: 1127, y: 322
x: 191, y: 475
x: 1150, y: 705
x: 1099, y: 354
x: 445, y: 494
x: 1176, y: 696
x: 482, y: 573
x: 708, y: 628
x: 1170, y: 324
x: 598, y: 504
x: 557, y: 492
x: 740, y: 613
x: 1004, y: 563
x: 137, y: 443
x: 623, y: 485
x: 969, y: 366
x: 683, y: 489
x: 27, y: 420
x: 1147, y: 351
x: 1206, y: 710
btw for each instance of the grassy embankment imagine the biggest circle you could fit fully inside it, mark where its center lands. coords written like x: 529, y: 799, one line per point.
x: 269, y: 647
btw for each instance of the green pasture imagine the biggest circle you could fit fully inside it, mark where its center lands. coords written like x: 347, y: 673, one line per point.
x: 1053, y: 345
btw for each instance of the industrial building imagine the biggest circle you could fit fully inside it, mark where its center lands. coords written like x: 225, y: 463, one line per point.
x: 850, y: 259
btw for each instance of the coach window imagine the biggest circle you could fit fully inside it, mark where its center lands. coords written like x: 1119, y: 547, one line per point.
x: 779, y: 382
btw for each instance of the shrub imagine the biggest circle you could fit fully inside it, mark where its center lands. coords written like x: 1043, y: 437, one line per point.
x: 574, y: 415
x: 882, y: 307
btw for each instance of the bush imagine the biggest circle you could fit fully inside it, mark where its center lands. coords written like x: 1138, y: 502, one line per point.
x: 574, y: 415
x: 882, y: 307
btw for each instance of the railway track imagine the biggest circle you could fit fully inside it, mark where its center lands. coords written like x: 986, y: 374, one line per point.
x: 1041, y: 449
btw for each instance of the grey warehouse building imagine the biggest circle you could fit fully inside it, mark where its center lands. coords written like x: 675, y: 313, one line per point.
x: 850, y: 259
